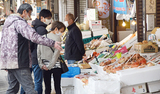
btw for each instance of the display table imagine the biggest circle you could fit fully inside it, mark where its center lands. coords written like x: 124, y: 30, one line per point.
x: 135, y: 79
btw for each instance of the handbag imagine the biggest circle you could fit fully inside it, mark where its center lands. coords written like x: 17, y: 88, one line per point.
x: 62, y: 63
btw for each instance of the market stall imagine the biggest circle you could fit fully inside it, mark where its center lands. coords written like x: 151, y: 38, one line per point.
x: 135, y: 69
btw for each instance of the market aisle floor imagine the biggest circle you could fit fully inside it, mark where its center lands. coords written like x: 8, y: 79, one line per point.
x: 3, y: 82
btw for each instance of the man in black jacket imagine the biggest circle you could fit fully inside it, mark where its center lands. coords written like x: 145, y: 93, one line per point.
x: 74, y: 46
x: 40, y: 26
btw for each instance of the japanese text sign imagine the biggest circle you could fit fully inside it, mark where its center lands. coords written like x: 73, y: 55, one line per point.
x: 120, y: 6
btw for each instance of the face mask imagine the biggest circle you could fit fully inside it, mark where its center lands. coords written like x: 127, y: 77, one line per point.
x: 59, y: 34
x: 47, y: 21
x: 27, y: 18
x: 66, y: 23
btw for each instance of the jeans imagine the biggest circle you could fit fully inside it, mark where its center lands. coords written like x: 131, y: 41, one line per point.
x: 56, y: 77
x: 71, y: 61
x: 37, y: 79
x: 22, y: 76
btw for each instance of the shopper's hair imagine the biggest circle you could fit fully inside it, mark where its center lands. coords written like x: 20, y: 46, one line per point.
x: 57, y: 24
x: 45, y: 13
x: 11, y: 10
x: 23, y: 7
x: 71, y: 16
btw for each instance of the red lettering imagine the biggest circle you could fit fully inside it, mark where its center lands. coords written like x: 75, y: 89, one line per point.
x: 134, y: 90
x: 123, y: 9
x: 100, y: 13
x: 121, y: 0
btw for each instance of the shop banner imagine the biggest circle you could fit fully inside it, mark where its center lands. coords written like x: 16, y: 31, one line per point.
x: 38, y: 9
x: 103, y: 7
x: 120, y: 6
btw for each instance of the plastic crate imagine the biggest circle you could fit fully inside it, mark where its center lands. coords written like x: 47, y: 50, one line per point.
x: 87, y: 40
x: 97, y: 37
x: 71, y: 73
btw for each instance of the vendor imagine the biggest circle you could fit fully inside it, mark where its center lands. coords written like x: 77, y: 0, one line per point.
x: 74, y: 46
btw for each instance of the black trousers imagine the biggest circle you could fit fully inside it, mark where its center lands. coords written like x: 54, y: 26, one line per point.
x: 56, y: 77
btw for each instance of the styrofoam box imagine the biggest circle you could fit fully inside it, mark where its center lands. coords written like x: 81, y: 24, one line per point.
x: 92, y: 14
x: 138, y: 76
x: 154, y: 86
x: 79, y: 87
x: 99, y: 31
x: 95, y: 24
x: 67, y: 82
x: 103, y: 85
x: 136, y: 89
x: 86, y: 71
x: 86, y: 34
x: 68, y: 90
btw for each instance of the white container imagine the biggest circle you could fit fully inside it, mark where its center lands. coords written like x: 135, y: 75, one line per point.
x: 86, y: 34
x: 154, y: 86
x: 67, y: 81
x: 99, y: 31
x: 136, y: 89
x: 103, y: 85
x: 123, y: 34
x: 95, y: 24
x: 138, y: 76
x: 92, y: 14
x: 68, y: 90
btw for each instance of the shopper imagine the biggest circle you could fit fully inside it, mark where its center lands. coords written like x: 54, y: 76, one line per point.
x: 74, y: 46
x: 52, y: 66
x: 15, y: 49
x: 11, y: 11
x: 40, y: 26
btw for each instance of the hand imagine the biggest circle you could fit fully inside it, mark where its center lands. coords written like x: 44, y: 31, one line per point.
x: 44, y: 67
x: 57, y: 45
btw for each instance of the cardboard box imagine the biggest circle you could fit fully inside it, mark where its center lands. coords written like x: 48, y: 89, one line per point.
x: 146, y: 48
x: 123, y: 34
x: 136, y: 89
x: 84, y: 66
x: 95, y: 24
x: 154, y: 30
x: 120, y: 28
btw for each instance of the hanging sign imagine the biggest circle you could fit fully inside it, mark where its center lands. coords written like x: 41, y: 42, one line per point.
x: 120, y: 6
x: 103, y: 7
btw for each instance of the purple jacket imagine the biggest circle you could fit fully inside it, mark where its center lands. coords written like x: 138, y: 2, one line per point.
x: 15, y: 48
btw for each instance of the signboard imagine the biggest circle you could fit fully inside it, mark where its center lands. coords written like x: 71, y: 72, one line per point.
x: 38, y: 9
x: 44, y: 4
x: 150, y: 6
x: 120, y: 6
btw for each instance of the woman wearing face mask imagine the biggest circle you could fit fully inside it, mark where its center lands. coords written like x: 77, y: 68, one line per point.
x: 52, y: 66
